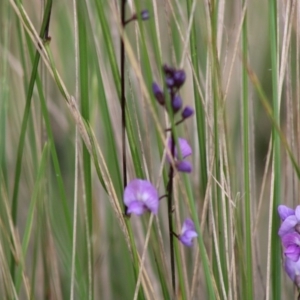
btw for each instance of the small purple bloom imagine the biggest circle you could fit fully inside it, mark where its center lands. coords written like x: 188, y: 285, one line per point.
x: 186, y: 150
x: 141, y: 196
x: 188, y: 232
x: 158, y: 93
x: 176, y: 103
x: 292, y: 268
x: 291, y: 243
x: 291, y: 222
x: 187, y: 112
x: 145, y: 14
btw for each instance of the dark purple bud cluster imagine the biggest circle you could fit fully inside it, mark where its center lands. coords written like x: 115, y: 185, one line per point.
x: 174, y: 79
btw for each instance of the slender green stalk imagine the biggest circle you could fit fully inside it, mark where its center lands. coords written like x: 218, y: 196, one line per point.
x: 217, y: 97
x: 276, y: 247
x: 170, y: 216
x: 200, y: 114
x: 4, y: 89
x: 247, y: 207
x: 123, y: 99
x: 85, y: 112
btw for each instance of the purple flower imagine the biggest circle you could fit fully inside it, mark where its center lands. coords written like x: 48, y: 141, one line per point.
x: 292, y: 268
x: 141, y: 196
x: 186, y: 150
x: 188, y: 232
x: 291, y: 220
x: 187, y: 112
x: 291, y: 243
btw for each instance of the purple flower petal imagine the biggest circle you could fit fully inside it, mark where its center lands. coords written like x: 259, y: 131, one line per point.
x: 288, y: 225
x: 297, y: 213
x: 136, y: 207
x: 292, y: 268
x: 284, y: 212
x: 292, y: 252
x: 141, y: 191
x: 291, y: 238
x: 188, y: 224
x: 185, y: 148
x: 184, y: 166
x: 188, y: 232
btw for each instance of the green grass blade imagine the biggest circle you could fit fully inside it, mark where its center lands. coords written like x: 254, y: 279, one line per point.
x: 85, y: 111
x: 247, y: 213
x: 276, y: 247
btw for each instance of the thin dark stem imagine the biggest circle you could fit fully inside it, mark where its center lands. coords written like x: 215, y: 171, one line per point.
x: 123, y: 100
x: 175, y: 234
x: 133, y: 18
x: 177, y: 123
x: 170, y: 214
x: 163, y: 196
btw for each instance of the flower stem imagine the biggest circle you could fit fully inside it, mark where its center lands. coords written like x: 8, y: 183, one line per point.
x: 123, y: 100
x: 170, y: 214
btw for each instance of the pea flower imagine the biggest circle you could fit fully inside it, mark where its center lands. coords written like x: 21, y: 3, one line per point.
x: 186, y: 150
x: 291, y: 243
x: 188, y: 232
x: 292, y: 268
x: 141, y: 196
x: 290, y: 218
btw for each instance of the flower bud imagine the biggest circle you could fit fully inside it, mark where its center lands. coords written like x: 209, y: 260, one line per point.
x: 176, y: 103
x: 187, y: 112
x: 158, y: 93
x: 179, y: 78
x: 184, y: 166
x: 170, y: 82
x: 145, y: 14
x: 169, y: 71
